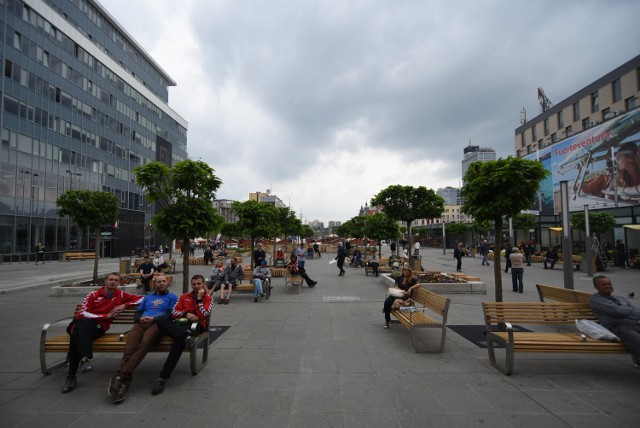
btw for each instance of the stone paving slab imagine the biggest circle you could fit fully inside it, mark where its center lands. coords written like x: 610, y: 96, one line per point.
x: 310, y: 359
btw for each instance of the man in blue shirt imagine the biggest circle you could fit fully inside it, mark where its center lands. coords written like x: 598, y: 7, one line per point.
x: 143, y: 335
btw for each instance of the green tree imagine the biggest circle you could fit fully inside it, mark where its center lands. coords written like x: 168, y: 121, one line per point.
x: 524, y: 221
x: 482, y: 227
x: 288, y: 225
x: 457, y: 229
x: 352, y: 228
x: 306, y: 231
x: 408, y: 203
x: 183, y: 196
x: 256, y: 219
x: 599, y: 222
x: 92, y: 209
x: 380, y: 226
x: 500, y: 188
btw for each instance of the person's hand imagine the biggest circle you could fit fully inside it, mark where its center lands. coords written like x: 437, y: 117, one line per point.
x: 192, y: 317
x: 146, y: 319
x: 201, y: 293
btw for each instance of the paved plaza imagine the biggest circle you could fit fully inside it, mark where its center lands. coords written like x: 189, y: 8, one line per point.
x: 315, y: 358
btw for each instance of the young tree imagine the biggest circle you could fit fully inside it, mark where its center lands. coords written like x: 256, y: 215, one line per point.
x: 183, y: 196
x: 256, y: 219
x: 599, y: 222
x: 380, y: 226
x: 457, y: 229
x: 482, y: 227
x: 288, y: 225
x: 92, y: 209
x: 408, y: 203
x: 500, y: 188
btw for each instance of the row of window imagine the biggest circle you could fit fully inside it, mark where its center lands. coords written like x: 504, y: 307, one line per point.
x: 76, y: 51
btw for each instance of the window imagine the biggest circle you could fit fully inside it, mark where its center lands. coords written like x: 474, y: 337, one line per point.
x: 616, y: 90
x: 586, y: 123
x: 560, y: 119
x: 630, y: 103
x: 553, y: 138
x: 533, y: 133
x: 606, y: 114
x: 568, y: 131
x: 595, y: 102
x: 522, y: 140
x: 576, y: 111
x: 546, y: 126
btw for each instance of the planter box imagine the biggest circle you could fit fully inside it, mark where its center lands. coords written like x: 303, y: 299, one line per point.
x: 471, y: 287
x: 80, y: 292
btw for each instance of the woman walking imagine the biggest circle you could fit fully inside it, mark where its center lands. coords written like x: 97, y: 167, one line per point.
x: 517, y: 269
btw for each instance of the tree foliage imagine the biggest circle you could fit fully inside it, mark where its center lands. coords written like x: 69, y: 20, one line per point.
x: 256, y: 219
x: 352, y: 228
x: 482, y: 227
x: 599, y: 222
x: 500, y: 188
x: 380, y: 226
x: 408, y: 203
x: 92, y: 209
x: 183, y: 196
x: 288, y: 225
x: 456, y: 229
x: 524, y: 221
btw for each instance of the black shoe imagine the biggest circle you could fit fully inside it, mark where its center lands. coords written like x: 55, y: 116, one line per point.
x: 313, y: 284
x: 226, y: 301
x: 158, y: 387
x: 255, y: 299
x: 262, y: 294
x: 117, y: 389
x: 70, y: 384
x: 85, y: 365
x: 221, y: 301
x: 386, y: 324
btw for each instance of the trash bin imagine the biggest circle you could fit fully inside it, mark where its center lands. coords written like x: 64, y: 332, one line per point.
x: 125, y: 265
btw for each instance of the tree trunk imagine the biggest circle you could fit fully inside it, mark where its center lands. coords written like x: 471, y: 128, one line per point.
x: 186, y: 253
x: 253, y: 239
x: 96, y: 249
x: 497, y: 269
x: 410, y: 238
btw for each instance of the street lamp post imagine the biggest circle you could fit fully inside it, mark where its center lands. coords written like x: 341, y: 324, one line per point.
x: 567, y: 250
x: 444, y: 243
x: 587, y: 242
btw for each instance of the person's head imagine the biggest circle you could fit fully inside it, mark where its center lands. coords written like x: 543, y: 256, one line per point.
x: 146, y: 258
x: 302, y: 245
x: 234, y: 261
x: 197, y: 283
x: 112, y: 281
x: 259, y: 246
x: 161, y: 284
x: 515, y: 250
x: 218, y: 263
x: 157, y: 253
x: 603, y: 285
x: 263, y: 263
x: 406, y: 270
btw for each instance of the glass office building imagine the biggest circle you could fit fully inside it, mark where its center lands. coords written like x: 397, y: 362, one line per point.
x: 82, y: 105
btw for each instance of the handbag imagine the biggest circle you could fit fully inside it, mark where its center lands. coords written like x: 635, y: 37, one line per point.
x: 395, y: 292
x: 595, y: 331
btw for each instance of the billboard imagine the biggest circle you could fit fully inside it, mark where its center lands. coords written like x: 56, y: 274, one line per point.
x: 601, y: 164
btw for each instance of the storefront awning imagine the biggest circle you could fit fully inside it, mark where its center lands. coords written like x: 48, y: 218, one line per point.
x: 632, y: 226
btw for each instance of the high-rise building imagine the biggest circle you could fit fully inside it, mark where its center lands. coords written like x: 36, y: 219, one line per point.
x: 451, y: 195
x: 268, y: 198
x: 83, y: 104
x: 474, y: 154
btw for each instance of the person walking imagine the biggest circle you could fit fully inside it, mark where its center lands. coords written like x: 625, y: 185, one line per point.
x: 517, y: 269
x: 484, y: 251
x: 457, y: 254
x: 340, y: 258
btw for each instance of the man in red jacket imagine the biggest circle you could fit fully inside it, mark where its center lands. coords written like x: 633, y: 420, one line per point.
x: 192, y: 307
x: 92, y: 321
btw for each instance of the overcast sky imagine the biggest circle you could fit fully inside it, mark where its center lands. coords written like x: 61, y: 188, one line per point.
x: 328, y: 102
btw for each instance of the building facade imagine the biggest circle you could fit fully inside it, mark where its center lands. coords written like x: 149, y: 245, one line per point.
x: 474, y: 154
x: 613, y: 94
x: 451, y: 195
x: 83, y: 104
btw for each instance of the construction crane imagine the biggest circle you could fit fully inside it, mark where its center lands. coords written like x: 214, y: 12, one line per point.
x: 545, y: 103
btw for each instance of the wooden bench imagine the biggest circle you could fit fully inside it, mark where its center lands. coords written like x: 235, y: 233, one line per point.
x: 246, y: 283
x: 505, y: 314
x: 418, y: 318
x: 383, y: 268
x: 79, y: 255
x: 293, y: 280
x: 112, y: 342
x: 548, y: 292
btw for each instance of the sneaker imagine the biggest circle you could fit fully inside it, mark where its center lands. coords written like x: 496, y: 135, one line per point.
x: 120, y: 391
x: 226, y: 301
x: 114, y: 385
x: 70, y: 384
x: 386, y: 325
x: 255, y: 299
x: 262, y: 294
x: 313, y: 284
x: 221, y: 301
x: 85, y: 365
x: 158, y: 387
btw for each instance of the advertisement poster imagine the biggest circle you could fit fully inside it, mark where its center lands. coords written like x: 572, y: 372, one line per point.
x: 601, y: 164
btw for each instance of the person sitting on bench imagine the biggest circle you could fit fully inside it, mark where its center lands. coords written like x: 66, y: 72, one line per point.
x: 295, y: 269
x: 261, y: 275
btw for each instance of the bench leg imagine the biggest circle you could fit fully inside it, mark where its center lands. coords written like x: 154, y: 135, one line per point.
x: 509, y: 357
x: 420, y: 345
x: 193, y: 355
x: 43, y: 355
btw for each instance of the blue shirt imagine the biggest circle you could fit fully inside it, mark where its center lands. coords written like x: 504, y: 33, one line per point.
x: 155, y: 305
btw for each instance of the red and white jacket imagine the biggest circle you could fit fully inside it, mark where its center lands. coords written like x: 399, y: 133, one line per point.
x: 97, y: 305
x: 188, y: 303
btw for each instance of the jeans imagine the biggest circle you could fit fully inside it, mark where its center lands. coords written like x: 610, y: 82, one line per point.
x: 484, y: 260
x: 257, y: 287
x: 459, y: 264
x: 516, y: 279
